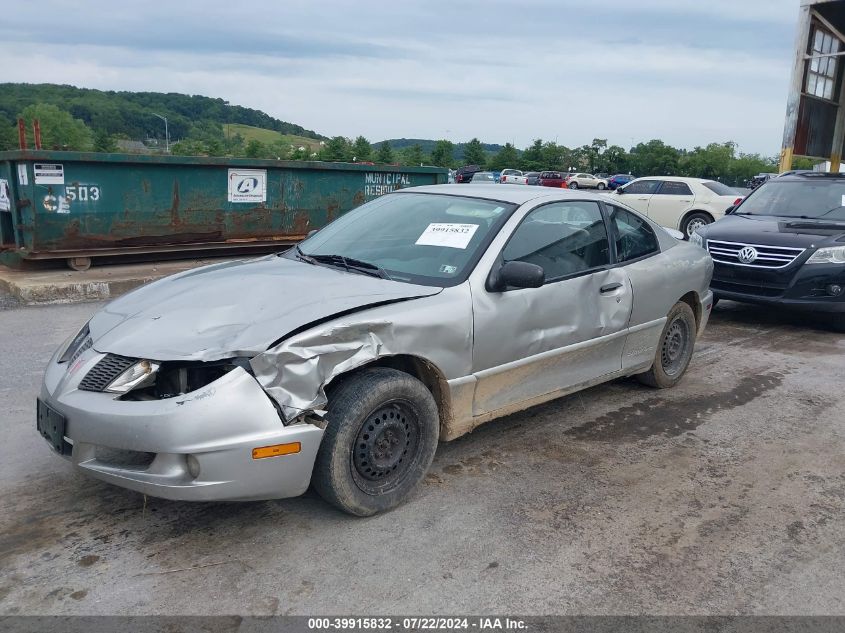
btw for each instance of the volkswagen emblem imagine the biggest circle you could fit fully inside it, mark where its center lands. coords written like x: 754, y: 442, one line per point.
x: 747, y: 255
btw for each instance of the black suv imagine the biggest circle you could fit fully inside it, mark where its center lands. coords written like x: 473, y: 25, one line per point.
x: 784, y: 244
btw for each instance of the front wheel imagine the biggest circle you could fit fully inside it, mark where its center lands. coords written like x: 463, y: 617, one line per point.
x: 693, y: 222
x: 674, y: 349
x: 573, y: 185
x: 379, y: 442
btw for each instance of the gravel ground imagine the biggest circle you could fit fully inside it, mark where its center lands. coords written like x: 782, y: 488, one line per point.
x: 724, y: 495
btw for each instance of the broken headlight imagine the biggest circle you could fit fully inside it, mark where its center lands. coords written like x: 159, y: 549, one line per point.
x: 140, y: 375
x: 171, y: 379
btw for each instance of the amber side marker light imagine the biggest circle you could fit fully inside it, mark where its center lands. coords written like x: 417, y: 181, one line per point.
x: 276, y: 450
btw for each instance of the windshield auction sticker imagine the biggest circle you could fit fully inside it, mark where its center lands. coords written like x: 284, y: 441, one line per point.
x: 449, y: 235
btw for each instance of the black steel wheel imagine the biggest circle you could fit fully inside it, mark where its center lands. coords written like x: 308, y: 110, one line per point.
x: 674, y: 348
x: 381, y: 435
x: 386, y: 446
x: 675, y: 344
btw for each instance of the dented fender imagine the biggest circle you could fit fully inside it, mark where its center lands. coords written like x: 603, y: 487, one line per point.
x: 436, y: 329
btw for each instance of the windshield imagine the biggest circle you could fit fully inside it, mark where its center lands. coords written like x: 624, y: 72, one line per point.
x: 719, y: 189
x: 797, y: 199
x: 428, y: 239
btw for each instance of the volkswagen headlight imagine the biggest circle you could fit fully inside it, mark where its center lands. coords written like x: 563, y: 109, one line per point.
x: 696, y: 239
x: 828, y: 255
x: 141, y: 374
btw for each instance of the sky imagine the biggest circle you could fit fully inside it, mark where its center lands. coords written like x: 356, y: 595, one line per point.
x: 689, y: 72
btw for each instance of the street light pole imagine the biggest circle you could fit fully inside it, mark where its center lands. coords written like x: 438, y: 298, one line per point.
x: 166, y: 132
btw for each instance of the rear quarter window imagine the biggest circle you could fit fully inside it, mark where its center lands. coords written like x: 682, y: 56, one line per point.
x: 719, y: 189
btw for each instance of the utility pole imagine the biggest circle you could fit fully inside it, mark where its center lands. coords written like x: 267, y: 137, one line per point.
x: 166, y: 133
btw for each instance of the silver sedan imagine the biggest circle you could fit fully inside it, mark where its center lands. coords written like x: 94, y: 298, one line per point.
x: 343, y: 361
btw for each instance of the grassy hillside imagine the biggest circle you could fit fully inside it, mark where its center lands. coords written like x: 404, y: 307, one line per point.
x: 269, y: 137
x: 133, y: 114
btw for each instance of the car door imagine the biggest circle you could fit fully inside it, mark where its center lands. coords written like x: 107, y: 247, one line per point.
x: 670, y: 203
x: 588, y: 180
x: 638, y: 193
x: 531, y: 342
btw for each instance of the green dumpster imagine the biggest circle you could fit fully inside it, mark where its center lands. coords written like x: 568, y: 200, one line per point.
x: 75, y: 206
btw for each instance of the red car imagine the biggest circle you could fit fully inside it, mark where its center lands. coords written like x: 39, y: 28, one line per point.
x: 552, y: 179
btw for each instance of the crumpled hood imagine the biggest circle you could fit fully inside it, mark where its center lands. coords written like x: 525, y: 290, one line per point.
x: 235, y: 308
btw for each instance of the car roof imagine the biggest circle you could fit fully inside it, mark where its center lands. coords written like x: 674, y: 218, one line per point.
x: 811, y: 175
x: 676, y: 178
x: 514, y: 194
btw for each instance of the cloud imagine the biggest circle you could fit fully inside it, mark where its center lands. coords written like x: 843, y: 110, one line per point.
x: 685, y: 71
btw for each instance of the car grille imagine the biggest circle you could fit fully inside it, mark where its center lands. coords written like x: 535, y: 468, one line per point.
x: 767, y: 256
x: 103, y: 373
x: 757, y: 290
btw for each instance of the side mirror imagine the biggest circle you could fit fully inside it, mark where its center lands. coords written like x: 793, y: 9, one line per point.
x: 516, y: 275
x: 675, y: 233
x: 730, y: 209
x: 620, y: 190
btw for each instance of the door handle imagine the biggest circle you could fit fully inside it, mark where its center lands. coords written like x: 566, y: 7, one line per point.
x: 642, y: 199
x: 610, y: 287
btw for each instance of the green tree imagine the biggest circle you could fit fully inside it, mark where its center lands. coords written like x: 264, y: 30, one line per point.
x: 59, y: 130
x: 337, y: 148
x: 474, y: 153
x: 255, y: 149
x: 593, y: 153
x: 533, y: 158
x: 713, y: 161
x: 505, y: 158
x: 361, y: 149
x: 8, y: 136
x: 385, y: 153
x: 614, y: 160
x: 413, y: 155
x: 441, y: 155
x: 654, y: 158
x: 104, y: 142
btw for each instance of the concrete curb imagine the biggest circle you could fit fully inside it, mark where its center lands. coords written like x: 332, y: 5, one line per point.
x: 50, y: 287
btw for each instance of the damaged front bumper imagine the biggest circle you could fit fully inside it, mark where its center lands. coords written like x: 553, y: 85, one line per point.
x: 196, y: 447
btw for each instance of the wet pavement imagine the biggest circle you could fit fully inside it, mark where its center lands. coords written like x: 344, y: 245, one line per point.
x: 724, y: 495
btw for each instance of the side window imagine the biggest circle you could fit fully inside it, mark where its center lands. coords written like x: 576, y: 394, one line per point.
x: 564, y: 238
x: 634, y: 237
x: 675, y: 189
x: 642, y: 187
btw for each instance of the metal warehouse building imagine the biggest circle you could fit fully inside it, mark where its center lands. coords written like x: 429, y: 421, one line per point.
x: 815, y: 111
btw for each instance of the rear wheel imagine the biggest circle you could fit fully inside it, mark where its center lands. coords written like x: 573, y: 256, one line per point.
x: 573, y: 185
x: 674, y: 349
x: 693, y: 222
x: 381, y: 436
x: 600, y: 186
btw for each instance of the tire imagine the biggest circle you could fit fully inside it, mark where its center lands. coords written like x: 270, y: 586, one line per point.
x: 573, y: 185
x: 359, y: 467
x: 693, y: 222
x: 600, y: 186
x: 674, y: 349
